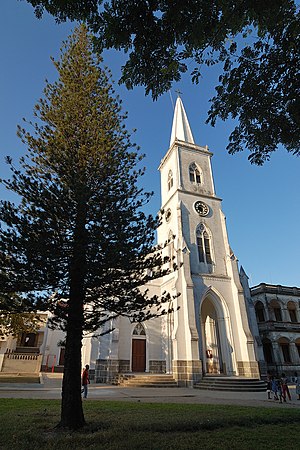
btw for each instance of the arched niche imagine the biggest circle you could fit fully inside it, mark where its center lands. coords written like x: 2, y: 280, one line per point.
x: 217, y: 350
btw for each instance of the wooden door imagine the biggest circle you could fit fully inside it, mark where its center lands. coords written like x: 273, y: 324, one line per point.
x: 138, y: 355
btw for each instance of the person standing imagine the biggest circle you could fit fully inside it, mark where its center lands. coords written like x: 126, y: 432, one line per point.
x: 85, y: 381
x: 285, y: 388
x: 274, y: 387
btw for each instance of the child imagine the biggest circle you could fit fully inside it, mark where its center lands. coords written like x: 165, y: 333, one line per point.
x: 279, y: 390
x: 274, y: 387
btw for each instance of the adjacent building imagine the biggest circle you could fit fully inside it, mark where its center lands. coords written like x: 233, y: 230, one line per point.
x: 277, y: 312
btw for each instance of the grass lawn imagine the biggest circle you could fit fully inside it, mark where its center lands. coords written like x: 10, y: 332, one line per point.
x: 29, y: 424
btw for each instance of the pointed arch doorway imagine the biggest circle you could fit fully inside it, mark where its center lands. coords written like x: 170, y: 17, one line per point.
x: 138, y: 349
x: 213, y: 350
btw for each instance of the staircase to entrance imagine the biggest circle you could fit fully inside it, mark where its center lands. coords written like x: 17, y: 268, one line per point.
x: 235, y: 384
x: 146, y: 380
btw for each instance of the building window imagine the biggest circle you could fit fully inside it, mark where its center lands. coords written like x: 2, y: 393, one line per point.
x: 276, y: 311
x: 170, y: 180
x: 285, y: 352
x: 292, y: 311
x: 203, y: 245
x: 260, y: 312
x: 194, y: 173
x: 268, y: 351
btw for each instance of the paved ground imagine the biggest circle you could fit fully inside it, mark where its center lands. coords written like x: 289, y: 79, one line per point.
x: 50, y: 388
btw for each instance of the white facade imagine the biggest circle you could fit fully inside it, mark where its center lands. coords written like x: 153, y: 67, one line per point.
x: 209, y: 333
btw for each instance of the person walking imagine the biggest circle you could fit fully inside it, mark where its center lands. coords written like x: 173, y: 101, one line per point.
x: 285, y: 388
x: 85, y: 381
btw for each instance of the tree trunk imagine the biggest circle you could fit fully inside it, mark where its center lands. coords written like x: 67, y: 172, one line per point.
x: 71, y: 408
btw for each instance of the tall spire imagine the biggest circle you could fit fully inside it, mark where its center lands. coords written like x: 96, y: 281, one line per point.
x: 181, y: 129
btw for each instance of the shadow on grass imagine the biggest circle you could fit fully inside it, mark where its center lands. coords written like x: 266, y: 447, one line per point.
x: 119, y: 425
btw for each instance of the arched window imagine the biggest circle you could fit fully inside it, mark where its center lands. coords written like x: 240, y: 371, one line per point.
x: 203, y: 245
x: 170, y: 179
x: 276, y: 310
x: 285, y: 348
x: 139, y: 330
x: 292, y: 311
x: 194, y: 172
x: 260, y: 312
x: 268, y: 351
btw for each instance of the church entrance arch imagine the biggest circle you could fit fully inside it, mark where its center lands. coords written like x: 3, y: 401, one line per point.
x: 216, y: 355
x: 138, y: 349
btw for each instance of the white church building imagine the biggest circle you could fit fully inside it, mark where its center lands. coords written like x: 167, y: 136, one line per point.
x: 209, y: 333
x: 213, y: 328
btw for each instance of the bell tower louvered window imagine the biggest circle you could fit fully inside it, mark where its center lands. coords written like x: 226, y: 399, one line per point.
x: 194, y: 172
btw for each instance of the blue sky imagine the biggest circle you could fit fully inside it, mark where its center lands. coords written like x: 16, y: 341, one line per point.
x: 261, y: 203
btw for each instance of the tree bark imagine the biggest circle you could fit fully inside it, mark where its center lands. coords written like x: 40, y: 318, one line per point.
x: 72, y: 416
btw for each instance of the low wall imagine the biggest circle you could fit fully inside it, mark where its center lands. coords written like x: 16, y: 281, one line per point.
x: 21, y: 363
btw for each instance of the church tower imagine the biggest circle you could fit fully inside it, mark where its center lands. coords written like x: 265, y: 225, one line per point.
x: 209, y: 333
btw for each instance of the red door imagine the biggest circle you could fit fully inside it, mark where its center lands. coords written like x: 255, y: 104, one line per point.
x: 138, y: 355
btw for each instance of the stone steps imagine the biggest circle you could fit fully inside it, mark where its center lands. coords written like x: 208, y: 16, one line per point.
x: 146, y: 380
x: 235, y: 384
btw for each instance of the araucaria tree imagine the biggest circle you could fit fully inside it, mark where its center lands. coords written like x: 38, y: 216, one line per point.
x: 78, y: 243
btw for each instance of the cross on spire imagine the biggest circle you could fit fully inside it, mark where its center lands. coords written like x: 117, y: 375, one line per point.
x: 178, y: 92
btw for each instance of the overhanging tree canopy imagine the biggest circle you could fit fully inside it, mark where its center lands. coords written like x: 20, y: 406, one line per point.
x: 78, y: 243
x: 256, y: 42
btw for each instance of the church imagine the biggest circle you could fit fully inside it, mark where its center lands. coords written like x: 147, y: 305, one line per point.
x: 218, y: 325
x: 208, y: 330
